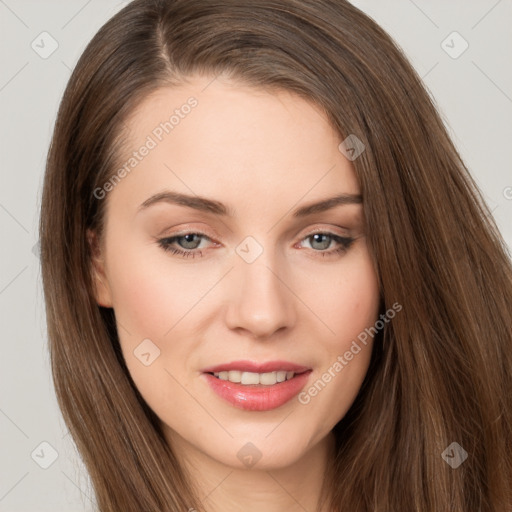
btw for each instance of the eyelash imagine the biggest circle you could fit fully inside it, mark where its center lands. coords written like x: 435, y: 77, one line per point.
x: 344, y: 243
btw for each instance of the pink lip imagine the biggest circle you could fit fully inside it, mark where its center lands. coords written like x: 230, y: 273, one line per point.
x: 250, y: 366
x: 257, y: 397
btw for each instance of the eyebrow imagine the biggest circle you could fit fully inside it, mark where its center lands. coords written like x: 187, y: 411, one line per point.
x: 195, y: 202
x: 218, y: 208
x: 327, y: 204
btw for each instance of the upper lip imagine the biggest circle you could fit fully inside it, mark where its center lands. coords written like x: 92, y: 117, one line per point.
x: 254, y: 367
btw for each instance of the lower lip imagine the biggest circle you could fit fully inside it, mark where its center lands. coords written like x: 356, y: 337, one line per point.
x: 258, y: 397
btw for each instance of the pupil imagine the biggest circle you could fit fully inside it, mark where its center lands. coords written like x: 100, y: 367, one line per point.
x: 190, y: 241
x: 322, y: 241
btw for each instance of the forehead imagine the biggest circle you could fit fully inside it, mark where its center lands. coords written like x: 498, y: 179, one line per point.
x: 233, y: 142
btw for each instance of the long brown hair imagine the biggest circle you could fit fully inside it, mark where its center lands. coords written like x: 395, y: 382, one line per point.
x: 442, y: 370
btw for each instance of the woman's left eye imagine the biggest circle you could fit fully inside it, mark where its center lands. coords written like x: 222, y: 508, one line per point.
x: 324, y: 243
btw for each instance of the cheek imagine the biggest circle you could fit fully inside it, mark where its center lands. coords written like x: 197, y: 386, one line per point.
x: 150, y: 294
x: 349, y: 309
x: 142, y: 302
x: 357, y: 310
x: 151, y: 299
x: 157, y: 299
x: 346, y: 300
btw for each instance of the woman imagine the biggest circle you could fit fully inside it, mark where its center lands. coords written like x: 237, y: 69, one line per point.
x: 270, y: 280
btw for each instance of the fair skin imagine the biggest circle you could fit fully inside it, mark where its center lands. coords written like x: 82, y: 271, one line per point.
x: 263, y: 155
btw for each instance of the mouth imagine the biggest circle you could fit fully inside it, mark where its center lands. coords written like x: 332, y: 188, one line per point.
x: 257, y: 386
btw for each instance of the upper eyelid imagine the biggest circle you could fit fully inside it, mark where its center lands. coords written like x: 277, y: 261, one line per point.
x: 189, y: 227
x: 199, y: 231
x: 185, y: 233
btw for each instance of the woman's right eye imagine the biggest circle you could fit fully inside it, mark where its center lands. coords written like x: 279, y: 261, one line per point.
x: 186, y: 245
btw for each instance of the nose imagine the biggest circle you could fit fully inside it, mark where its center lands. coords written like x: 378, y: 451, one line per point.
x: 260, y: 304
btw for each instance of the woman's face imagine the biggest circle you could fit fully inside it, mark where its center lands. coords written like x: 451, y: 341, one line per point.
x: 234, y: 249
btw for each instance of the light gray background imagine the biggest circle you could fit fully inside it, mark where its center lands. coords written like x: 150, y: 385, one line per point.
x: 473, y: 92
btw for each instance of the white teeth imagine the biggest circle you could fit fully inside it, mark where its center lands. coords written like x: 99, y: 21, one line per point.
x: 248, y: 378
x: 235, y: 376
x: 268, y: 379
x: 281, y: 376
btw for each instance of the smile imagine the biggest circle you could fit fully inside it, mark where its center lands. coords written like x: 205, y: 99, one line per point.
x: 257, y: 386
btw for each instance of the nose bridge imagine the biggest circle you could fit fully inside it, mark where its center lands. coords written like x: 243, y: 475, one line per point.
x: 259, y: 301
